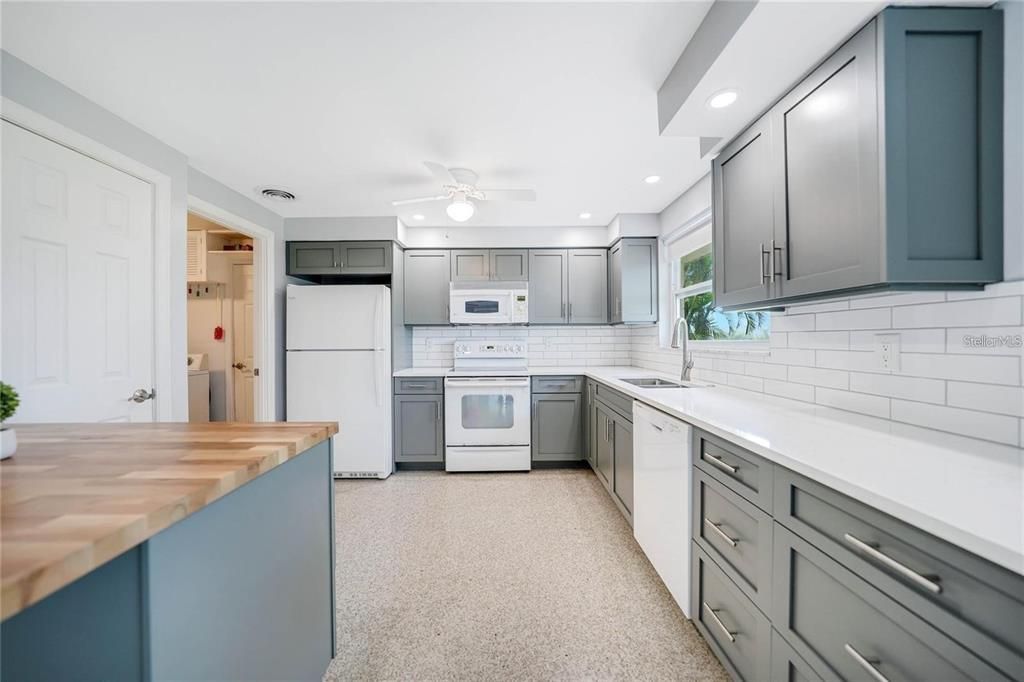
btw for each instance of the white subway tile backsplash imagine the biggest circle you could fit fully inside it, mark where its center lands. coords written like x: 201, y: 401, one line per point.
x: 791, y: 356
x: 746, y: 382
x: 875, y: 406
x: 966, y: 422
x: 894, y: 386
x: 908, y: 298
x: 764, y: 370
x: 911, y: 340
x: 869, y: 318
x: 830, y: 378
x: 966, y: 313
x: 792, y: 323
x: 845, y: 359
x: 983, y: 368
x: 987, y: 398
x: 804, y: 392
x: 834, y: 340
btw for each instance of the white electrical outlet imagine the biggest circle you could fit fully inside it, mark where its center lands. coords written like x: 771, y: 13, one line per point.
x: 887, y: 352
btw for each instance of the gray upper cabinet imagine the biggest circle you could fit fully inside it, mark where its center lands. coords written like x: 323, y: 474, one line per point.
x: 633, y: 280
x: 481, y: 265
x: 742, y: 190
x: 549, y: 286
x: 314, y: 258
x: 826, y: 228
x: 426, y: 286
x: 470, y: 265
x: 339, y: 258
x: 881, y: 169
x: 509, y: 265
x: 588, y: 286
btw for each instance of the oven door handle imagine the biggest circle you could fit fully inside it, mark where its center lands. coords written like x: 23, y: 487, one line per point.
x: 487, y: 383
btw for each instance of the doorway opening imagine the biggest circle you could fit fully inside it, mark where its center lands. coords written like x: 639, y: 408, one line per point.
x: 221, y: 322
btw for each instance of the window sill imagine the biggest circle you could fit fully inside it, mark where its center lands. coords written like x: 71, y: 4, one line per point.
x: 757, y: 347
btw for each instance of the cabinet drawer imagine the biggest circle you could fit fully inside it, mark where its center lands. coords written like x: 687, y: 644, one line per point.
x: 620, y: 401
x: 742, y: 471
x: 420, y: 385
x: 787, y: 665
x: 736, y: 534
x: 971, y: 600
x: 841, y: 624
x: 566, y: 384
x: 738, y: 633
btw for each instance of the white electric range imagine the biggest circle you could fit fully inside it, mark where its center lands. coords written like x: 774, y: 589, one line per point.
x: 487, y: 406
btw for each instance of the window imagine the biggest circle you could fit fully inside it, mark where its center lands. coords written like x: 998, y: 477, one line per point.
x: 693, y: 300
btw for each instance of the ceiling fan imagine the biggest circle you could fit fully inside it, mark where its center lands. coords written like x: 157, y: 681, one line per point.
x: 459, y: 188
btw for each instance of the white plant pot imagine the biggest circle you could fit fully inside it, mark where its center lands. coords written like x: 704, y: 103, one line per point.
x: 8, y: 443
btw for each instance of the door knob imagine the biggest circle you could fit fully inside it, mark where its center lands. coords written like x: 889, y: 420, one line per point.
x: 141, y: 395
x: 239, y: 365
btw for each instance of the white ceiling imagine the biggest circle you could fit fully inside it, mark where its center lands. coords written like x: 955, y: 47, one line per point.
x: 342, y: 102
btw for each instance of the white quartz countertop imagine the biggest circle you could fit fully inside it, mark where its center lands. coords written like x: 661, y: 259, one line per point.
x: 965, y: 491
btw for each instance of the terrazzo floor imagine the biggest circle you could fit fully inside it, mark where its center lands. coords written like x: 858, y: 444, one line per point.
x: 501, y: 577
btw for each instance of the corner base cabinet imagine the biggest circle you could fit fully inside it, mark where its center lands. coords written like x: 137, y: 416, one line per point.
x: 557, y: 419
x: 882, y: 169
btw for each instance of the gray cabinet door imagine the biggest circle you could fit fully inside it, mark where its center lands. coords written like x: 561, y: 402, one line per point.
x: 471, y: 265
x: 588, y: 286
x: 827, y: 231
x: 314, y: 258
x: 588, y: 424
x: 549, y: 286
x: 426, y: 287
x: 633, y: 280
x: 615, y: 283
x: 743, y: 224
x: 622, y: 433
x: 419, y: 428
x: 509, y: 265
x: 557, y: 427
x: 365, y: 258
x: 604, y: 446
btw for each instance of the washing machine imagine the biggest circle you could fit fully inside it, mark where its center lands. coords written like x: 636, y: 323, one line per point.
x: 198, y: 388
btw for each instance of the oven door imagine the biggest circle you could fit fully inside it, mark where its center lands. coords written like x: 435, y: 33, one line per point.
x: 482, y: 306
x: 487, y: 411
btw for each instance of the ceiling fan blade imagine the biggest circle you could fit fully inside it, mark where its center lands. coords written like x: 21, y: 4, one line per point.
x: 421, y: 200
x: 441, y: 173
x: 509, y: 195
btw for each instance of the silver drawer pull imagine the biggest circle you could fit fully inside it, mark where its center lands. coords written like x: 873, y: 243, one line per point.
x: 929, y: 583
x: 719, y: 623
x: 866, y: 663
x: 720, y: 463
x: 721, y: 533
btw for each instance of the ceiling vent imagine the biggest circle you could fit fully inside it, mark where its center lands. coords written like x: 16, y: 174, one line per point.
x: 276, y: 193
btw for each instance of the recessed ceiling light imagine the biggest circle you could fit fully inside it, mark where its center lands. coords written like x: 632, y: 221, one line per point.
x: 652, y: 179
x: 722, y: 99
x: 584, y: 216
x: 417, y: 216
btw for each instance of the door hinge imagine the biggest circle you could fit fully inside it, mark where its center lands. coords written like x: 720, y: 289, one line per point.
x: 255, y: 371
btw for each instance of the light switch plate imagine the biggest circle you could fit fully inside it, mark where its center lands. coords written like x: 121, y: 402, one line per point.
x: 887, y: 352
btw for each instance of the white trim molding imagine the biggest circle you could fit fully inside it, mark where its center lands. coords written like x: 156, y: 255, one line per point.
x: 172, y: 401
x: 265, y: 313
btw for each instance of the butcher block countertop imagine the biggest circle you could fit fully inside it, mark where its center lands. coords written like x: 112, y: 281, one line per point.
x: 75, y: 496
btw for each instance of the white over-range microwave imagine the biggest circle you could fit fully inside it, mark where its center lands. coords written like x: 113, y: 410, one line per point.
x: 488, y: 303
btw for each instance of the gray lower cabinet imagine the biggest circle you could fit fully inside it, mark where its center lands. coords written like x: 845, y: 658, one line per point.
x: 419, y: 421
x: 589, y: 421
x: 622, y: 486
x: 633, y: 280
x: 427, y: 273
x: 339, y: 258
x: 604, y: 448
x: 880, y: 169
x: 611, y: 444
x: 557, y: 427
x: 849, y: 592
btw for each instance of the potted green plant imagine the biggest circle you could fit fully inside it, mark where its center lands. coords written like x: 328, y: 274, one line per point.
x: 8, y: 406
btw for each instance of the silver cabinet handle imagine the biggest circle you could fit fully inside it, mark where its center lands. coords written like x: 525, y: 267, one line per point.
x: 563, y: 309
x: 760, y: 260
x: 718, y: 621
x: 779, y: 250
x: 437, y: 412
x: 720, y: 463
x: 771, y: 267
x: 866, y: 663
x: 416, y: 385
x: 570, y: 311
x: 141, y: 395
x: 721, y: 533
x: 929, y: 582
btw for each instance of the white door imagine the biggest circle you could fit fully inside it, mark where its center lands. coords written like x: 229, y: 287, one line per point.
x: 77, y: 318
x: 241, y: 341
x: 352, y: 388
x: 353, y: 317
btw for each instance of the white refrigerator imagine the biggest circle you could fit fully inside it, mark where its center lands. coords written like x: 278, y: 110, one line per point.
x: 339, y: 369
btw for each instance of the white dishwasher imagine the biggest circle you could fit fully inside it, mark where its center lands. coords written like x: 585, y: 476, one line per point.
x: 662, y: 479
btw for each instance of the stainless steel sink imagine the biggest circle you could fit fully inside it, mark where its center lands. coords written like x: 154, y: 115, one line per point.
x: 654, y: 382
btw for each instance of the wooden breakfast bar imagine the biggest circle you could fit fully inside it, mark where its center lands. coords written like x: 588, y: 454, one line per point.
x: 167, y: 551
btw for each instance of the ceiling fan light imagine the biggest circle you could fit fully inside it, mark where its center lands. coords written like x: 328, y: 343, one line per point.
x: 460, y: 210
